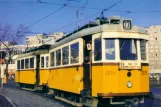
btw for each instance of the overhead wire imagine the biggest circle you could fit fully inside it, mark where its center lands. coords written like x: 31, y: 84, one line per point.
x: 52, y: 3
x: 106, y: 9
x: 64, y: 5
x: 40, y: 2
x: 43, y: 18
x: 18, y: 32
x: 78, y: 10
x: 74, y: 23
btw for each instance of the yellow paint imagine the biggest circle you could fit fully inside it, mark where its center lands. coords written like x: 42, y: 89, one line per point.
x: 106, y: 79
x: 66, y: 79
x: 4, y: 79
x: 44, y: 73
x: 16, y: 76
x: 26, y: 76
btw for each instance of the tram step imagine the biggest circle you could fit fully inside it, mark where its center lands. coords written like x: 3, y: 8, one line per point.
x: 68, y: 101
x: 28, y: 89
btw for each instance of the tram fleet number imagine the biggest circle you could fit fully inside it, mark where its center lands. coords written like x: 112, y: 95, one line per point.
x: 144, y: 72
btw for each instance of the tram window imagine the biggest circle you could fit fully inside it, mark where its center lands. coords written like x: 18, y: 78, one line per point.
x: 47, y: 61
x: 128, y: 49
x: 22, y: 64
x: 18, y: 64
x: 110, y: 49
x: 42, y: 62
x: 26, y: 63
x: 143, y: 49
x: 32, y: 62
x: 52, y: 55
x: 74, y: 53
x: 97, y: 49
x: 65, y: 52
x: 58, y: 57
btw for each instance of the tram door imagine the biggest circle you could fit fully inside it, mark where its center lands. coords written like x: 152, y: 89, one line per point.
x: 87, y: 62
x: 37, y: 69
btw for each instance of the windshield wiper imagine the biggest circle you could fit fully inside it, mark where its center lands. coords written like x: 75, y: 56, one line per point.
x: 122, y: 45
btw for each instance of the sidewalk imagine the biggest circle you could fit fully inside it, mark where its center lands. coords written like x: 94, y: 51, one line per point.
x: 5, y: 101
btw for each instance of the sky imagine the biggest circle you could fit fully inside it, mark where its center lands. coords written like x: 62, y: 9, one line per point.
x: 143, y: 13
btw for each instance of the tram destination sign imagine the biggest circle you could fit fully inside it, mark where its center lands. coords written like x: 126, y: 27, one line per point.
x: 130, y: 65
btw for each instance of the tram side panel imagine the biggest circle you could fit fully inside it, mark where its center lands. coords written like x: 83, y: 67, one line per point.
x: 44, y: 74
x: 66, y: 72
x: 97, y: 79
x: 27, y: 76
x: 26, y: 73
x: 66, y: 79
x: 17, y: 76
x: 144, y: 78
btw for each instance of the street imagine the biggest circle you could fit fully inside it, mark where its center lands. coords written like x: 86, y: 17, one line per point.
x: 22, y: 98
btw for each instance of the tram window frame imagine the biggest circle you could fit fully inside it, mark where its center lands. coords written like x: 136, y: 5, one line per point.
x: 58, y: 57
x: 18, y: 64
x: 65, y: 55
x: 98, y: 48
x: 22, y: 63
x: 143, y: 49
x: 76, y: 59
x: 26, y: 63
x: 42, y: 62
x: 111, y: 54
x: 47, y: 61
x: 32, y: 62
x: 52, y: 57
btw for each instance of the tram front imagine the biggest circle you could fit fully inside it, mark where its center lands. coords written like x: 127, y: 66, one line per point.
x: 120, y: 71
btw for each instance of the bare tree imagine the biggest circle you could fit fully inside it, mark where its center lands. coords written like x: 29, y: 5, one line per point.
x: 13, y: 38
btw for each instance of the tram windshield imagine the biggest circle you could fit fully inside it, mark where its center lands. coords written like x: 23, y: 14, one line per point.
x: 128, y: 49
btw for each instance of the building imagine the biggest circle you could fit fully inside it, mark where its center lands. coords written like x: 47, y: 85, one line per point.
x: 4, y: 44
x: 35, y: 40
x: 40, y: 39
x: 15, y: 49
x: 51, y: 39
x: 154, y: 50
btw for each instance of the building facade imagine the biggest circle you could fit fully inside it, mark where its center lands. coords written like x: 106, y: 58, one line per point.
x: 40, y: 39
x: 154, y: 50
x: 35, y: 40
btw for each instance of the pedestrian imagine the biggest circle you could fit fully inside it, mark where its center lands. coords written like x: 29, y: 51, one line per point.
x: 13, y: 77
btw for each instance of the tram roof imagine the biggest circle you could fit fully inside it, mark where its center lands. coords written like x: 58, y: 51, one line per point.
x: 35, y: 51
x: 93, y: 28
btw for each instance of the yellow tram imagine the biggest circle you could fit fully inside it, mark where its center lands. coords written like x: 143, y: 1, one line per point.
x: 29, y: 74
x: 102, y: 62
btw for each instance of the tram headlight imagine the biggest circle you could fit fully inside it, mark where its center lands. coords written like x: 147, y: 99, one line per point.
x: 129, y: 84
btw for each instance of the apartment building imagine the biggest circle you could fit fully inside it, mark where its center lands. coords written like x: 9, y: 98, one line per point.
x: 154, y: 50
x: 39, y: 39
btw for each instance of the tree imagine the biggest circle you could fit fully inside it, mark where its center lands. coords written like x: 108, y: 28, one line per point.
x: 13, y: 38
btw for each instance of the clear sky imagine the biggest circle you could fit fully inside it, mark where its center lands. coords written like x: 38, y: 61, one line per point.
x: 15, y: 12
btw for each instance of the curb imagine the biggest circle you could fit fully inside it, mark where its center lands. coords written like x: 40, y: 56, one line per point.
x: 7, y: 101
